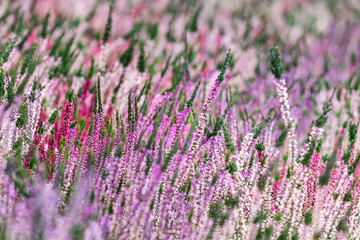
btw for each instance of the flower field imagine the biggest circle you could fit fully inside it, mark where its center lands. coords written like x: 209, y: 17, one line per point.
x: 179, y: 119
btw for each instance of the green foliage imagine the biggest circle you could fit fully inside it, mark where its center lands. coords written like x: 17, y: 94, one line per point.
x: 67, y: 58
x: 295, y: 236
x: 152, y: 30
x: 135, y: 30
x: 148, y: 164
x: 280, y: 140
x: 127, y: 56
x: 261, y: 184
x: 353, y: 167
x: 191, y: 214
x: 320, y: 122
x: 91, y: 69
x: 23, y: 112
x: 231, y: 167
x: 260, y: 147
x: 145, y: 89
x: 214, y: 179
x: 258, y: 128
x: 10, y: 92
x: 161, y: 188
x: 130, y: 110
x: 348, y: 197
x: 45, y: 25
x: 41, y: 129
x: 319, y: 145
x: 6, y: 49
x: 346, y: 156
x: 231, y: 201
x: 192, y: 24
x: 309, y: 153
x: 21, y: 187
x: 324, y: 178
x: 193, y: 95
x: 62, y: 143
x: 215, y: 210
x: 284, y: 234
x: 276, y: 62
x: 153, y: 134
x: 228, y: 141
x: 2, y: 83
x: 117, y: 116
x: 98, y: 95
x: 73, y: 124
x: 166, y: 67
x: 217, y: 126
x: 263, y: 159
x: 278, y: 217
x: 169, y: 156
x: 69, y: 95
x: 261, y: 216
x: 342, y: 226
x: 186, y: 187
x: 224, y: 67
x: 107, y: 32
x: 308, y: 217
x: 192, y: 129
x: 353, y: 128
x: 53, y: 116
x: 56, y: 45
x: 78, y: 232
x: 35, y: 87
x: 259, y: 234
x: 179, y: 71
x: 268, y: 232
x: 141, y: 64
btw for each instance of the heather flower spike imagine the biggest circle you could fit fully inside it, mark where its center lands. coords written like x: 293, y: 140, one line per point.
x: 107, y: 131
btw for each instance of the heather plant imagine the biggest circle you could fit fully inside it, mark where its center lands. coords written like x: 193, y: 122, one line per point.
x: 179, y: 119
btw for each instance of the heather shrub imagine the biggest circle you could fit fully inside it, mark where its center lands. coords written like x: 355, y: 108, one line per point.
x: 179, y: 119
